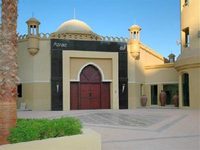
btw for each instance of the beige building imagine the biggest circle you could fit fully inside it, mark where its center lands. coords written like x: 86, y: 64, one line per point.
x: 188, y: 63
x: 75, y: 68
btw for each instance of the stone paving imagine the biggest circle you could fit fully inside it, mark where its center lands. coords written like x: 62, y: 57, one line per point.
x: 120, y: 119
x: 144, y: 129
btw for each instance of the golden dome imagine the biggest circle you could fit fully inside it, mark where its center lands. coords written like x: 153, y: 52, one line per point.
x: 33, y: 20
x: 74, y: 26
x: 135, y: 28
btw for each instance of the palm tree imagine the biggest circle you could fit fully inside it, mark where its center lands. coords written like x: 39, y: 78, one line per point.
x: 8, y: 67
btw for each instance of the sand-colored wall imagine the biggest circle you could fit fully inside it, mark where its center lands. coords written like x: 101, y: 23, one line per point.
x: 189, y: 59
x: 77, y: 65
x: 34, y: 74
x: 190, y: 17
x: 136, y: 67
x: 37, y: 67
x: 42, y: 70
x: 89, y: 140
x: 25, y: 62
x: 74, y: 61
x: 194, y: 86
x: 161, y: 75
x: 37, y: 96
x: 134, y: 90
x: 149, y: 69
x: 150, y: 57
x: 135, y: 70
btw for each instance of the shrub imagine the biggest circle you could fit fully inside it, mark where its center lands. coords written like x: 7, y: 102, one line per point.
x: 37, y: 129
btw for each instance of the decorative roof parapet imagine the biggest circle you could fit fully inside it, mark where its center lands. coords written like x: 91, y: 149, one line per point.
x: 41, y: 36
x: 76, y: 36
x: 45, y: 35
x: 85, y: 36
x: 114, y: 39
x: 22, y: 37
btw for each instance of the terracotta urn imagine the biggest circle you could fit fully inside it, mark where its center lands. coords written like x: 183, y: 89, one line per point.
x: 163, y: 98
x: 175, y: 100
x: 143, y: 100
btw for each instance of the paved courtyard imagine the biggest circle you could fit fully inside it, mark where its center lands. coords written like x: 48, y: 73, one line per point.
x: 143, y: 129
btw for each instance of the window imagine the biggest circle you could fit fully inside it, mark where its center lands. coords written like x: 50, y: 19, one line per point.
x: 186, y: 37
x: 33, y: 29
x: 186, y: 3
x: 185, y: 89
x: 19, y: 90
x: 154, y: 94
x: 171, y: 90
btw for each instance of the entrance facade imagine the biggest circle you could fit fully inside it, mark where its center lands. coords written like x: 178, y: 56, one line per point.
x: 90, y: 92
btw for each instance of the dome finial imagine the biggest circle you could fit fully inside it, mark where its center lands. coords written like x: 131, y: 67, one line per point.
x: 32, y: 14
x: 74, y: 13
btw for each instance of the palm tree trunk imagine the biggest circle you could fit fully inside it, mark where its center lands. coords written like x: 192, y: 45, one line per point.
x: 8, y: 68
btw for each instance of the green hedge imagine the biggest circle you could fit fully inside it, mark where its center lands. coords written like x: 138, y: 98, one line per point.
x: 37, y: 129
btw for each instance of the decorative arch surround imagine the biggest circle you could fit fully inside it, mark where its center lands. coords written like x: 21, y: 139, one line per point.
x: 90, y: 74
x: 90, y: 92
x: 95, y: 65
x: 109, y: 81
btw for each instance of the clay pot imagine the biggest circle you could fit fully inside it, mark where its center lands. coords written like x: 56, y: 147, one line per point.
x: 175, y: 100
x: 163, y: 98
x: 143, y: 100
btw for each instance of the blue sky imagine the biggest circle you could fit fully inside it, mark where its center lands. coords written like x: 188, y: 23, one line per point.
x: 159, y: 19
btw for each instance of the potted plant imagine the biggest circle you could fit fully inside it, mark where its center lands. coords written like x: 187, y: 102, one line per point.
x: 163, y: 98
x: 143, y: 100
x: 175, y: 100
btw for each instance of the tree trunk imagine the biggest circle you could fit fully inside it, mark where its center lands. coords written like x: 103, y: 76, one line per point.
x: 8, y: 68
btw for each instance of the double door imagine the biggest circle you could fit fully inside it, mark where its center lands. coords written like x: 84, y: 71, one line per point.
x: 90, y: 95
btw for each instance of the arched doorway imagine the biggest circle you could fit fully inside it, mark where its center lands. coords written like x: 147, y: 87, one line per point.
x: 90, y: 92
x: 185, y: 89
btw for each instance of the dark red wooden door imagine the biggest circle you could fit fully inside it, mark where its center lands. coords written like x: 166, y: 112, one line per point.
x: 90, y: 92
x: 90, y: 83
x: 90, y: 74
x: 74, y: 95
x: 105, y: 95
x: 90, y: 96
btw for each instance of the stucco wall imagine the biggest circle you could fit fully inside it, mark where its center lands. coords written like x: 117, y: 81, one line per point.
x: 77, y: 64
x: 190, y: 17
x: 136, y: 70
x: 42, y: 68
x: 189, y: 59
x: 34, y: 74
x: 194, y: 86
x: 150, y: 57
x: 161, y: 75
x: 37, y: 96
x: 37, y: 67
x: 134, y: 91
x: 25, y: 62
x: 89, y: 140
